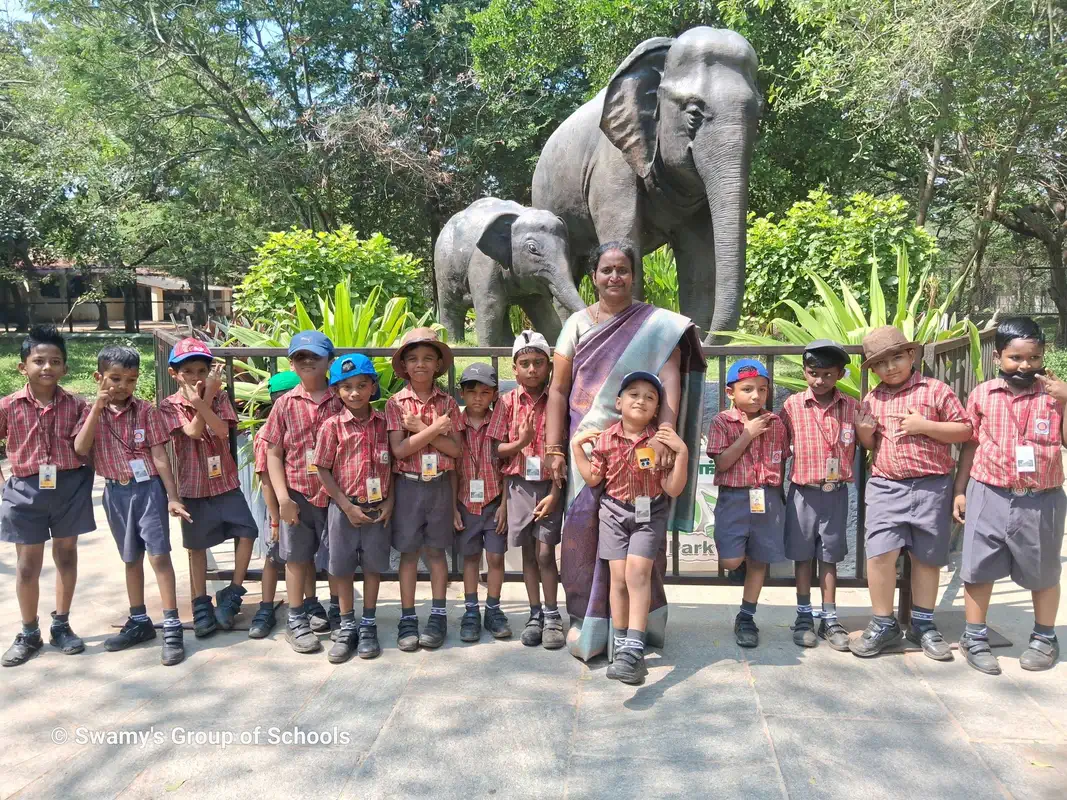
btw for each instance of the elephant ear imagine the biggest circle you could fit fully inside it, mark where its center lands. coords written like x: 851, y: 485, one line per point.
x: 629, y: 115
x: 496, y: 238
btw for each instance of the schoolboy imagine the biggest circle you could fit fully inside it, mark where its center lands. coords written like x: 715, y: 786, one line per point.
x: 821, y: 423
x: 290, y: 432
x: 127, y: 438
x: 634, y: 509
x: 423, y: 424
x: 481, y: 515
x: 49, y: 493
x: 748, y: 444
x: 200, y: 419
x: 909, y: 422
x: 352, y: 455
x: 535, y: 513
x: 1009, y: 493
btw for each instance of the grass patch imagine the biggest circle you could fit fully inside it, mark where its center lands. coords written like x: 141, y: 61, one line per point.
x: 81, y: 364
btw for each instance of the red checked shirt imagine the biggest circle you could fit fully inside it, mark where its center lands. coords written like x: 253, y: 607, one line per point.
x: 899, y: 457
x: 1002, y: 420
x: 513, y: 409
x: 355, y: 450
x: 124, y: 436
x: 818, y: 433
x: 259, y: 454
x: 761, y: 463
x: 615, y: 457
x: 191, y: 455
x: 293, y: 425
x: 407, y: 402
x: 38, y: 434
x: 479, y: 462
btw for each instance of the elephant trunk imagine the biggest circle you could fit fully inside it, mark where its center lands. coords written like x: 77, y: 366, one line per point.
x: 561, y: 284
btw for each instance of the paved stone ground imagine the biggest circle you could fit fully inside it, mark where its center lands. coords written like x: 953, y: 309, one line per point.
x: 500, y: 720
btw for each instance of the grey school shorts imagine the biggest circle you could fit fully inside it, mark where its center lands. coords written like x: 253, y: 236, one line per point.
x: 29, y: 515
x: 216, y: 519
x: 622, y: 535
x: 137, y: 515
x: 523, y: 497
x: 299, y: 543
x: 423, y: 514
x: 352, y: 546
x: 1020, y: 536
x: 739, y: 532
x: 479, y: 531
x: 815, y: 523
x: 913, y: 514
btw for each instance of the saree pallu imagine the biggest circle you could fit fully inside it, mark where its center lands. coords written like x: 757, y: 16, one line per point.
x: 640, y: 338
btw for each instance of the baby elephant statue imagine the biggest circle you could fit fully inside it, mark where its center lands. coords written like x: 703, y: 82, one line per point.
x: 496, y: 253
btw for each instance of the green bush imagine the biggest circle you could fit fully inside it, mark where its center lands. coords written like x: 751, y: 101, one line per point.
x: 298, y: 264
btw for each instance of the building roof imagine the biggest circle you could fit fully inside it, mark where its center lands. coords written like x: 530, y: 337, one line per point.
x: 168, y: 284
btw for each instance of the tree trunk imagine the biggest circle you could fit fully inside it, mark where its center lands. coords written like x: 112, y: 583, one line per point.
x: 433, y: 218
x: 129, y: 308
x: 102, y: 324
x: 927, y: 193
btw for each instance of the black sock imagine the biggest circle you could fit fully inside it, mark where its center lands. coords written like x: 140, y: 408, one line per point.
x: 535, y: 609
x: 367, y: 619
x: 492, y: 602
x: 139, y: 614
x: 922, y: 619
x: 885, y: 622
x: 1045, y: 631
x: 470, y: 600
x: 170, y: 618
x: 30, y: 628
x: 748, y: 609
x: 310, y: 601
x: 408, y: 613
x: 348, y: 620
x: 333, y: 600
x: 60, y: 619
x: 437, y: 606
x: 804, y: 604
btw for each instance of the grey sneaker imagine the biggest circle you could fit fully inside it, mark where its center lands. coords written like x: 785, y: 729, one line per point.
x: 470, y: 626
x: 552, y: 636
x: 204, y: 623
x: 835, y: 635
x: 316, y: 615
x: 132, y: 633
x: 300, y: 636
x: 433, y: 635
x: 1040, y: 655
x: 228, y: 600
x: 628, y: 667
x: 875, y: 639
x: 23, y: 649
x: 496, y: 622
x: 262, y: 623
x: 173, y: 646
x: 344, y: 646
x: 531, y: 634
x: 62, y: 636
x: 804, y: 631
x: 931, y: 641
x: 407, y: 635
x: 745, y: 631
x: 368, y: 642
x: 979, y: 655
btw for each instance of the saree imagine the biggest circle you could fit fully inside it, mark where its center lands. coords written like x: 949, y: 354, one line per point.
x: 640, y: 338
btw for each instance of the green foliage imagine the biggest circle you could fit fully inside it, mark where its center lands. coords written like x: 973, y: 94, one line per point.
x: 661, y: 279
x: 294, y: 264
x: 842, y: 318
x: 831, y: 239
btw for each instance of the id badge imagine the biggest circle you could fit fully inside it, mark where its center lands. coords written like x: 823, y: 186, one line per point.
x: 833, y: 470
x: 646, y: 457
x: 139, y: 470
x: 429, y: 466
x: 643, y: 509
x: 477, y: 491
x: 533, y: 468
x: 46, y: 476
x: 1025, y: 460
x: 309, y: 459
x: 138, y: 435
x: 757, y: 503
x: 214, y: 466
x: 374, y: 490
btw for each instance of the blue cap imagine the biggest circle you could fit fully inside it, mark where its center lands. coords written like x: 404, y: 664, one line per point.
x: 351, y: 365
x: 746, y: 368
x: 630, y: 377
x: 313, y: 342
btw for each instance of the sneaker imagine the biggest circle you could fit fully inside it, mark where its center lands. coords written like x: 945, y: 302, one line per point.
x: 23, y: 649
x: 262, y: 623
x: 1040, y: 655
x: 531, y: 634
x: 368, y: 642
x: 61, y: 636
x: 553, y: 637
x: 470, y: 627
x: 228, y: 600
x: 875, y: 639
x: 804, y: 631
x: 834, y: 634
x: 317, y: 618
x: 204, y: 623
x: 407, y: 635
x: 173, y: 646
x: 628, y: 667
x: 931, y: 641
x: 344, y: 646
x: 300, y: 636
x: 979, y: 655
x: 433, y: 635
x: 496, y: 622
x: 745, y: 631
x: 132, y: 633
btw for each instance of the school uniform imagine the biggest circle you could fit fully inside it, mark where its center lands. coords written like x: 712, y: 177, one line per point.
x: 293, y: 425
x: 909, y: 494
x: 357, y: 454
x: 749, y: 509
x: 527, y: 478
x: 480, y: 488
x: 208, y: 483
x: 40, y: 440
x: 1015, y: 501
x: 259, y: 458
x: 423, y: 511
x: 633, y: 507
x: 823, y: 441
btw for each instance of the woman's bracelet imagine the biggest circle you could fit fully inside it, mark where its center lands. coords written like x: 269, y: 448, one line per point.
x: 554, y: 450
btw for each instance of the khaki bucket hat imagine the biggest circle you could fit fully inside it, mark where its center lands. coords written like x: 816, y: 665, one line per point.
x: 421, y: 336
x: 884, y: 341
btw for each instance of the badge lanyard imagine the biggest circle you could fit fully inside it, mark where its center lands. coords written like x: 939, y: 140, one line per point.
x: 50, y: 439
x: 1024, y: 426
x: 372, y: 484
x: 138, y: 466
x: 632, y: 474
x: 1025, y: 459
x: 833, y: 461
x: 214, y: 457
x: 472, y: 462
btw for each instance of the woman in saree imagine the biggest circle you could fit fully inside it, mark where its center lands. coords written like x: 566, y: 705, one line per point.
x: 596, y: 348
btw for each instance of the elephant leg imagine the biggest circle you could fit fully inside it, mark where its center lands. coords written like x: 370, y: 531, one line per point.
x: 491, y: 320
x: 454, y: 318
x: 543, y: 315
x: 694, y: 254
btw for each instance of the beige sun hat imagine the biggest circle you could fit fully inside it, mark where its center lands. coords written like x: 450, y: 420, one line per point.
x: 883, y: 342
x: 418, y: 336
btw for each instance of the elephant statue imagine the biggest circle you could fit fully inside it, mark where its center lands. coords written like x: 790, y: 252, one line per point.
x: 662, y: 156
x: 495, y: 253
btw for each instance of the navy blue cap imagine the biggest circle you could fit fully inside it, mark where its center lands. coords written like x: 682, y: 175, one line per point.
x: 746, y: 368
x: 630, y: 377
x: 312, y: 342
x: 352, y: 365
